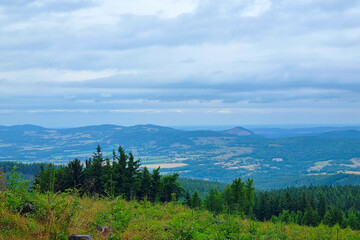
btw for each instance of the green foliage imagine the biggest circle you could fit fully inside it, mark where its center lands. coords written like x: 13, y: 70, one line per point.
x: 353, y: 220
x: 56, y: 216
x: 18, y: 191
x: 2, y: 181
x: 311, y: 217
x: 214, y: 201
x: 202, y: 186
x: 333, y: 216
x: 311, y: 205
x: 230, y: 229
x: 180, y: 229
x: 101, y: 176
x: 170, y: 185
x: 196, y: 201
x: 57, y: 208
x: 54, y: 210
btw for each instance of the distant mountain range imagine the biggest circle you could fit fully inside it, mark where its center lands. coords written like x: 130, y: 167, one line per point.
x: 310, y: 131
x: 267, y: 155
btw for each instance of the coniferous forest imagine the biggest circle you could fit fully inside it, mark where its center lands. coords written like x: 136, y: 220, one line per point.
x: 119, y: 176
x: 58, y: 191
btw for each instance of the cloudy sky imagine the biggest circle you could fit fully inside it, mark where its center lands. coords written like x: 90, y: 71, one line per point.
x: 179, y: 62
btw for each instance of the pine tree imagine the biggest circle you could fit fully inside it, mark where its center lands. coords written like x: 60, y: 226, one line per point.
x: 196, y: 201
x: 299, y: 218
x: 45, y: 179
x: 155, y: 185
x: 322, y: 206
x: 311, y: 217
x: 145, y: 184
x: 131, y: 183
x: 250, y: 196
x: 288, y: 202
x: 238, y: 193
x: 2, y: 181
x: 303, y: 202
x: 214, y: 201
x: 333, y: 216
x: 187, y: 200
x: 74, y: 174
x: 228, y: 199
x: 285, y: 217
x: 60, y: 180
x: 120, y: 170
x: 93, y: 173
x: 170, y: 186
x: 264, y: 208
x: 353, y: 221
x: 107, y: 179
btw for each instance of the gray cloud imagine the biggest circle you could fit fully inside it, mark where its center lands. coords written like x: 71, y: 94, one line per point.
x: 256, y: 54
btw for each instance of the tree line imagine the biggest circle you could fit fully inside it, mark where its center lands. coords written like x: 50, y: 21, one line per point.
x: 237, y: 198
x: 311, y: 206
x: 27, y: 170
x: 119, y: 176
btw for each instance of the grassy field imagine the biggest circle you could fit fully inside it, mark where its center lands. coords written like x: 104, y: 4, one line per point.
x: 57, y: 216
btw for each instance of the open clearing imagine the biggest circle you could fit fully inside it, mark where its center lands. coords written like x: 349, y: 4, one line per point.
x: 166, y: 165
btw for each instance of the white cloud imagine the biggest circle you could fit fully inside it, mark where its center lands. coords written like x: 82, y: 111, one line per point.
x: 258, y: 8
x: 60, y: 75
x: 109, y: 12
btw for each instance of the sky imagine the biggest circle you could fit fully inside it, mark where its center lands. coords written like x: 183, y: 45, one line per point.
x: 66, y: 63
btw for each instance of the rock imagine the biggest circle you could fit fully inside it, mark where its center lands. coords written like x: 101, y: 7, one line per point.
x: 80, y: 237
x: 27, y: 208
x: 104, y: 229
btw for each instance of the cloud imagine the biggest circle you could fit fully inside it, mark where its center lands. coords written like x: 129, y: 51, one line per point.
x: 236, y: 54
x: 60, y: 75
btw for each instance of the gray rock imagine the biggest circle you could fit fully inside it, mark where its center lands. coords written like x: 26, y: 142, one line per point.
x: 27, y: 208
x: 80, y: 237
x: 104, y: 229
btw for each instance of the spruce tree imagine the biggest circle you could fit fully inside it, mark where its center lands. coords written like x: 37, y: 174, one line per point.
x: 214, y: 201
x: 2, y: 181
x: 238, y: 193
x: 145, y: 184
x: 93, y: 172
x: 303, y: 202
x: 155, y: 185
x: 170, y: 186
x: 131, y: 183
x: 187, y: 200
x: 107, y: 179
x: 250, y: 196
x: 74, y: 174
x: 322, y: 206
x: 228, y: 199
x: 120, y: 171
x: 353, y: 221
x: 196, y: 201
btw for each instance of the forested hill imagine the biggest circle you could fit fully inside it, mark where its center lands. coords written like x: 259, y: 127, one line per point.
x: 214, y: 155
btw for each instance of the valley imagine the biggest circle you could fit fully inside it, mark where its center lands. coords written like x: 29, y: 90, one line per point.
x: 211, y: 155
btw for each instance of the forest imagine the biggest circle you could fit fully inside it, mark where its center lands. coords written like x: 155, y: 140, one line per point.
x: 122, y: 177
